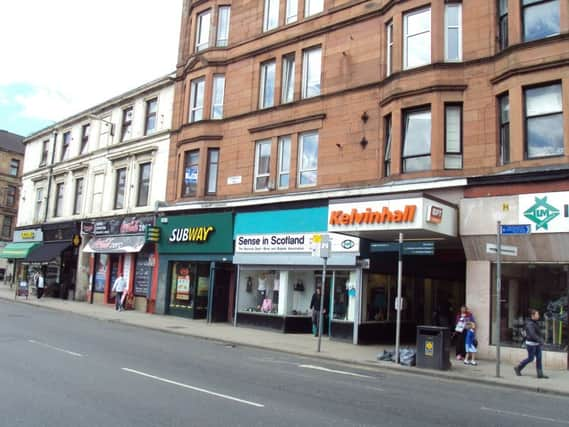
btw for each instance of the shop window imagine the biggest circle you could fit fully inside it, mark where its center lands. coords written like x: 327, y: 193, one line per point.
x: 65, y: 143
x: 267, y: 85
x: 212, y: 170
x: 151, y: 110
x: 311, y: 72
x: 453, y: 32
x: 344, y: 291
x: 126, y: 128
x: 308, y: 159
x: 417, y: 140
x: 197, y: 89
x: 389, y: 49
x: 217, y: 96
x: 387, y: 147
x: 101, y: 265
x: 312, y: 7
x: 85, y: 131
x: 120, y: 187
x: 262, y: 165
x: 287, y: 94
x: 417, y: 38
x: 540, y: 19
x: 271, y: 15
x: 543, y: 287
x: 78, y: 202
x: 202, y: 30
x: 503, y: 24
x: 223, y: 16
x: 453, y: 136
x: 291, y: 12
x: 544, y: 121
x: 189, y: 286
x: 191, y: 173
x: 284, y: 162
x: 143, y: 184
x: 504, y: 120
x: 59, y: 193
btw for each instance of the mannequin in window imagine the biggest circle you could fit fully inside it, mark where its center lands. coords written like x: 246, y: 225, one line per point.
x: 276, y: 287
x: 261, y: 289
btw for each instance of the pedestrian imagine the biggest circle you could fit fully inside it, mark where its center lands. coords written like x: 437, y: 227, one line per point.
x: 119, y: 287
x: 315, y: 307
x: 459, y: 333
x: 40, y: 284
x: 470, y: 344
x: 533, y: 342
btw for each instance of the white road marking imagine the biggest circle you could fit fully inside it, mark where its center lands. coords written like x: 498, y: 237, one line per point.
x: 201, y: 390
x: 519, y: 414
x: 72, y: 353
x: 334, y: 371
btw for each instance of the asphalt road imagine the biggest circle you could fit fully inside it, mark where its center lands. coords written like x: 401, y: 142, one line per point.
x: 59, y: 369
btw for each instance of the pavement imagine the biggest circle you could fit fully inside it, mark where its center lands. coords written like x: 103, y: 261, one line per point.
x: 361, y: 357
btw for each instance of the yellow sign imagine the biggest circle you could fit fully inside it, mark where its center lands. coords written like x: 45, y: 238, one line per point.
x: 28, y: 234
x: 429, y: 348
x: 76, y: 241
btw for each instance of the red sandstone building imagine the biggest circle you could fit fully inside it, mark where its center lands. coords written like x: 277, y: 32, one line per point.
x: 457, y: 107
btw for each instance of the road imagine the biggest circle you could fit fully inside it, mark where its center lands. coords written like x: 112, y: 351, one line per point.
x: 60, y: 369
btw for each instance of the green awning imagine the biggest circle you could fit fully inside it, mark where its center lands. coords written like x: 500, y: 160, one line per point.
x: 18, y: 250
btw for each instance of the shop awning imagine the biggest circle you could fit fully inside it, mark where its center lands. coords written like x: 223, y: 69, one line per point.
x: 115, y: 244
x: 18, y: 250
x: 47, y: 251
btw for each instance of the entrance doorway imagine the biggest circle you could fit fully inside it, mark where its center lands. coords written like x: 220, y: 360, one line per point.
x: 221, y: 294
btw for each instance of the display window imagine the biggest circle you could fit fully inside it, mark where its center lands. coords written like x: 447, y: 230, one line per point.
x: 543, y: 287
x: 189, y: 285
x: 101, y: 262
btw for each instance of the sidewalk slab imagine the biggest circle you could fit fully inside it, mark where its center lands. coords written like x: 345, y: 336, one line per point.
x: 362, y: 357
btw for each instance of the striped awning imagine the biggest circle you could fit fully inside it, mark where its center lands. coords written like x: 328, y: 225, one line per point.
x: 18, y: 250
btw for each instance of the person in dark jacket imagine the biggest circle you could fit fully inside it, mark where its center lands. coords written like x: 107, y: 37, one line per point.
x: 315, y: 307
x: 534, y: 341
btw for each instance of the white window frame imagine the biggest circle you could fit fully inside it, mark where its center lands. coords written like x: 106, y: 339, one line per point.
x: 222, y: 37
x: 311, y: 67
x: 268, y: 73
x: 38, y: 204
x: 217, y: 96
x: 449, y: 27
x: 313, y: 7
x: 406, y: 37
x: 258, y: 150
x: 291, y: 13
x: 196, y: 107
x: 301, y: 168
x: 285, y: 144
x: 78, y: 201
x: 453, y: 137
x: 203, y: 28
x: 389, y: 48
x: 288, y: 74
x: 271, y: 15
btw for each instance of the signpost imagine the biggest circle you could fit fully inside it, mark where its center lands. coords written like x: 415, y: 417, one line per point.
x: 515, y: 228
x: 321, y: 248
x: 504, y: 250
x: 402, y: 248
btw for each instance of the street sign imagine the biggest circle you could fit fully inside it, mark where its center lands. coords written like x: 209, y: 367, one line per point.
x: 515, y: 228
x: 384, y: 247
x: 418, y: 248
x: 491, y: 248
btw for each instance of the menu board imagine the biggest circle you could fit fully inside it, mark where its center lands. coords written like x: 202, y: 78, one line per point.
x: 143, y: 273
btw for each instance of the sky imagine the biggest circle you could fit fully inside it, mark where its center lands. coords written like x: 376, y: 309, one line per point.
x: 60, y: 57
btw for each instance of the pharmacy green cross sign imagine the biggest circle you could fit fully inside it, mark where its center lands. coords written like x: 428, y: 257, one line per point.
x: 541, y: 213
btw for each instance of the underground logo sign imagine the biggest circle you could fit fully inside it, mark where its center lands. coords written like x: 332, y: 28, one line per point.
x: 347, y: 244
x: 541, y: 213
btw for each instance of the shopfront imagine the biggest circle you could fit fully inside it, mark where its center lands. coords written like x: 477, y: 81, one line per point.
x: 432, y: 285
x: 534, y: 271
x: 278, y: 273
x: 120, y: 245
x: 196, y: 277
x: 24, y: 242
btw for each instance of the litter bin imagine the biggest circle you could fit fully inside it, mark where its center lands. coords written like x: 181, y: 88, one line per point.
x: 433, y: 347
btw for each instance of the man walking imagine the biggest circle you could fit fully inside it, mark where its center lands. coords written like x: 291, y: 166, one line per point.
x: 40, y: 284
x: 534, y: 341
x: 119, y: 287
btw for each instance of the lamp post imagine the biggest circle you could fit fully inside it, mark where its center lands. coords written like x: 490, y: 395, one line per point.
x: 111, y: 124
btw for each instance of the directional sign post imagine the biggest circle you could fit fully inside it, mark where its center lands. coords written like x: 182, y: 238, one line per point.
x: 515, y: 228
x: 504, y: 250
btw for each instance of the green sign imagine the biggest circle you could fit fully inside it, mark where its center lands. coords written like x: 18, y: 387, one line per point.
x: 200, y: 233
x: 541, y: 213
x: 407, y: 248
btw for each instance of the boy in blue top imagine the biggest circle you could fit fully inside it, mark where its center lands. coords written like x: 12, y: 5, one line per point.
x: 469, y: 346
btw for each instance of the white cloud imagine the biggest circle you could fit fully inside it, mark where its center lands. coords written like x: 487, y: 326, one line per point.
x: 81, y: 53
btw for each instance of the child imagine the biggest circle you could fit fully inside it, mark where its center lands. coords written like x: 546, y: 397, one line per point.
x: 469, y: 344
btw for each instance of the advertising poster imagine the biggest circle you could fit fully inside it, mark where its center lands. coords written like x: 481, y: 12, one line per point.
x: 101, y: 272
x: 183, y: 284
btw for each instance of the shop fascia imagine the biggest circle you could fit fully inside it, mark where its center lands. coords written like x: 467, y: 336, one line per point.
x: 293, y: 242
x: 30, y: 235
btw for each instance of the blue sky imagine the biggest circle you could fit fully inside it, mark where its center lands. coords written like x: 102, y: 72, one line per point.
x: 70, y: 55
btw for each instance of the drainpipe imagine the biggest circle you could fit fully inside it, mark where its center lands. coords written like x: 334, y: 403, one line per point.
x: 49, y: 179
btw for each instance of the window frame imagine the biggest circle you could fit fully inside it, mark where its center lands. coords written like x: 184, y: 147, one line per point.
x: 59, y: 197
x: 187, y: 164
x: 143, y: 183
x: 503, y: 25
x: 194, y: 108
x: 283, y: 169
x: 287, y: 79
x: 222, y: 34
x: 270, y: 15
x: 14, y: 167
x: 44, y: 153
x: 7, y: 225
x: 85, y: 133
x: 212, y: 171
x: 65, y: 146
x: 406, y: 113
x: 126, y: 123
x: 149, y: 114
x: 537, y: 3
x: 503, y: 130
x: 389, y: 48
x: 214, y: 94
x: 38, y: 204
x: 449, y: 153
x: 388, y: 144
x: 307, y: 6
x: 256, y: 175
x: 78, y: 200
x: 406, y: 36
x: 264, y: 74
x: 120, y: 187
x: 526, y: 119
x: 11, y: 195
x: 290, y: 7
x: 459, y: 28
x: 201, y: 45
x: 306, y: 62
x: 301, y: 168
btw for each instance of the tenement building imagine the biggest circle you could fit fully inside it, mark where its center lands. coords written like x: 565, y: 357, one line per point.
x: 368, y: 121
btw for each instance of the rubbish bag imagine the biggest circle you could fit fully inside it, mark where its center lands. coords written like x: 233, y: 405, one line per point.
x: 407, y: 357
x: 386, y: 356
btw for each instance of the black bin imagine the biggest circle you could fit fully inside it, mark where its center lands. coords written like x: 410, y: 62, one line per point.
x: 433, y: 347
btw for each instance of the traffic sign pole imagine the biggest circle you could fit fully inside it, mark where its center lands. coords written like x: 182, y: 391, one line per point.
x: 498, y: 295
x: 399, y: 302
